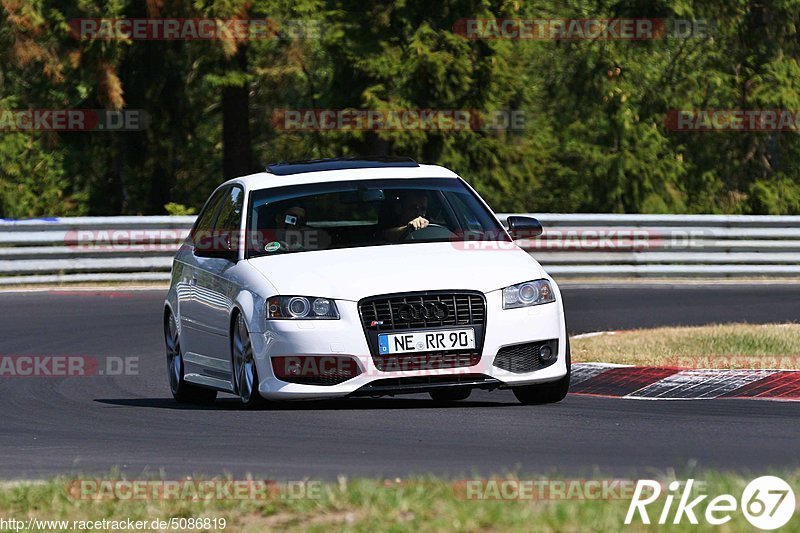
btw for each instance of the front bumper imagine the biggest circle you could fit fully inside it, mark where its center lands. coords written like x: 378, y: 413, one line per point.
x: 345, y: 337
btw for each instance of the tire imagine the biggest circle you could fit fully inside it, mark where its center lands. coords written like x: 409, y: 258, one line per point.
x: 245, y: 375
x: 182, y: 391
x: 548, y: 392
x: 450, y: 395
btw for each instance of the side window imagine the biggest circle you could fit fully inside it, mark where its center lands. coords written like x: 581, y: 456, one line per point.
x: 201, y: 231
x: 205, y: 220
x: 230, y: 215
x: 230, y: 218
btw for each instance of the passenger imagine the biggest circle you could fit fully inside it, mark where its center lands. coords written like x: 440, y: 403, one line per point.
x: 291, y: 218
x: 291, y: 227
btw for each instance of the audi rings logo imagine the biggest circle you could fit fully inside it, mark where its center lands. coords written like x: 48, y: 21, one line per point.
x: 426, y: 311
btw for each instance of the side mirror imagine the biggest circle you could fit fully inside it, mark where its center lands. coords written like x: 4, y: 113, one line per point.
x: 524, y: 227
x: 216, y: 246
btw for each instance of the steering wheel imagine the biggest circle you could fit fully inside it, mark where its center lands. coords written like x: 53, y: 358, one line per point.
x: 410, y: 229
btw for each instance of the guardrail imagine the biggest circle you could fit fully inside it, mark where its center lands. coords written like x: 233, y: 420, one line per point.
x: 711, y: 246
x: 92, y: 249
x: 89, y: 249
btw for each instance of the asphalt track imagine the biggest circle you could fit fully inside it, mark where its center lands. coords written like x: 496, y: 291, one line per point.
x: 85, y: 425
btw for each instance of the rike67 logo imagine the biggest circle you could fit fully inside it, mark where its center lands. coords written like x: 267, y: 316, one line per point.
x: 767, y: 502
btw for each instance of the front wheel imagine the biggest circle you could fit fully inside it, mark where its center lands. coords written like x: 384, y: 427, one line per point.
x: 245, y: 374
x: 182, y: 391
x: 547, y: 392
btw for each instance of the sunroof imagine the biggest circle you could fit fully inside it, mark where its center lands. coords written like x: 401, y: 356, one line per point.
x: 339, y: 163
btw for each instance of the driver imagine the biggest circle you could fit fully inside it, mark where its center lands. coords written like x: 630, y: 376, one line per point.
x: 409, y: 214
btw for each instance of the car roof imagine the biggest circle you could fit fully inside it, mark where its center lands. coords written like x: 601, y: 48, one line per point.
x: 267, y: 180
x: 339, y: 163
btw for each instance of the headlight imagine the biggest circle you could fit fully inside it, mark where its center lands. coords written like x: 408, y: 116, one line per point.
x: 528, y: 293
x: 301, y: 308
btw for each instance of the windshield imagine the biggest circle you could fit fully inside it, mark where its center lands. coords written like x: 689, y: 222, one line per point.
x: 349, y: 214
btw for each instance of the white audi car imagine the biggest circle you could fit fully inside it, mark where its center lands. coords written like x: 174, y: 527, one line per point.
x: 360, y: 277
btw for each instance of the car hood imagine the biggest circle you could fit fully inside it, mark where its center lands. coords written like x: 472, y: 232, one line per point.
x: 355, y: 273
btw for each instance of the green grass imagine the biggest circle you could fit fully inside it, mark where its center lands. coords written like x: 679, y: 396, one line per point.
x: 418, y: 504
x: 716, y: 346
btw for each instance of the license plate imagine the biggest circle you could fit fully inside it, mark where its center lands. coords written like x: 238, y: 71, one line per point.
x: 426, y: 341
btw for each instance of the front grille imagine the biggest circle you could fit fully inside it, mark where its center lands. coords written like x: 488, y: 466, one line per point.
x: 397, y: 312
x: 424, y: 311
x: 424, y: 361
x: 524, y: 358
